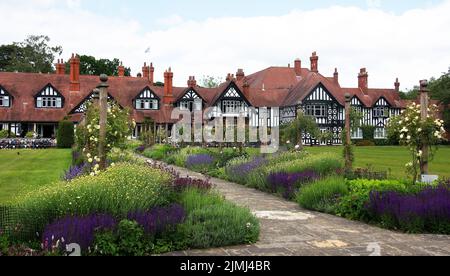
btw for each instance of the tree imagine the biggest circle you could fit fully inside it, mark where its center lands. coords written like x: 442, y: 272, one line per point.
x: 65, y: 136
x: 89, y: 65
x: 301, y: 125
x: 416, y: 132
x: 210, y: 81
x: 33, y: 55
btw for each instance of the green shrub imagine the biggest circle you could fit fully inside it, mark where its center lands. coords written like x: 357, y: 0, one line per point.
x: 323, y: 164
x: 30, y: 135
x: 368, y: 132
x: 116, y: 191
x: 132, y: 145
x: 352, y: 205
x: 123, y: 156
x: 128, y: 240
x: 65, y: 135
x: 159, y: 152
x: 4, y: 134
x: 323, y: 195
x: 214, y: 222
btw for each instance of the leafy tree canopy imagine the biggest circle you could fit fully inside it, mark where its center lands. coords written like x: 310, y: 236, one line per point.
x: 210, y: 81
x: 89, y: 65
x: 33, y: 55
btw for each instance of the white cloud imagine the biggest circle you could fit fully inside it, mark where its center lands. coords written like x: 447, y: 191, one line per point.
x: 412, y: 46
x: 373, y: 3
x: 172, y: 20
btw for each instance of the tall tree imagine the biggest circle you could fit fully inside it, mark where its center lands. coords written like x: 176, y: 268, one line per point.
x: 89, y: 65
x: 33, y: 55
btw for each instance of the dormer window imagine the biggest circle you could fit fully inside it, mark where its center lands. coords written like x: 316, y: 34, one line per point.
x: 5, y: 98
x: 49, y: 97
x: 191, y: 101
x: 147, y: 100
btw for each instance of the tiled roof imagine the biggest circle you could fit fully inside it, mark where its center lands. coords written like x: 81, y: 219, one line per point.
x: 272, y: 87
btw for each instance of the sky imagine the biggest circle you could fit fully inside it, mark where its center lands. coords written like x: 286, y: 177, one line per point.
x: 405, y: 39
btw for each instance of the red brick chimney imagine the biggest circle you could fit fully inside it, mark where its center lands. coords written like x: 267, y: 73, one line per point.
x: 145, y: 71
x: 168, y: 87
x: 363, y: 80
x: 397, y: 85
x: 75, y: 73
x: 192, y: 82
x: 336, y: 75
x: 121, y: 70
x: 314, y: 63
x: 60, y: 67
x: 152, y: 74
x: 240, y: 75
x: 298, y: 67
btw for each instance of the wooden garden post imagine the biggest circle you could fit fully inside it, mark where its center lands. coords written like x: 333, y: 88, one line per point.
x: 299, y: 112
x: 348, y: 140
x: 424, y: 103
x: 103, y: 107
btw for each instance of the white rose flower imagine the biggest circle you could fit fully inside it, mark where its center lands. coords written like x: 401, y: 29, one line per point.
x: 402, y: 136
x: 408, y: 137
x: 297, y: 147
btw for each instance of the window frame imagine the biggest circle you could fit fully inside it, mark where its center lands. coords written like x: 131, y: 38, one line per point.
x: 379, y: 130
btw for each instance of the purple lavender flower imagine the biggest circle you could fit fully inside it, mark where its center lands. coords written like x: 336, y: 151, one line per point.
x: 80, y: 230
x: 75, y: 171
x: 159, y: 219
x: 240, y: 172
x: 288, y: 183
x: 428, y: 210
x: 199, y: 160
x: 141, y: 149
x: 182, y: 183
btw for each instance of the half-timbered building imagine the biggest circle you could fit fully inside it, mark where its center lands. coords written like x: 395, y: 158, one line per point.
x: 37, y: 102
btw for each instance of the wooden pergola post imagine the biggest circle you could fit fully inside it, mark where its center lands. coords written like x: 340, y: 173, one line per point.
x: 103, y: 109
x: 348, y: 140
x: 424, y: 103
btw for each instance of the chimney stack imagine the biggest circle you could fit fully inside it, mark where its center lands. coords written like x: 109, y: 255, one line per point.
x: 240, y: 75
x: 314, y: 63
x: 145, y: 71
x: 152, y: 74
x: 230, y: 77
x: 298, y: 67
x: 397, y: 85
x: 363, y: 80
x: 60, y: 67
x: 75, y: 73
x: 336, y: 75
x: 121, y: 70
x: 168, y: 87
x: 192, y: 82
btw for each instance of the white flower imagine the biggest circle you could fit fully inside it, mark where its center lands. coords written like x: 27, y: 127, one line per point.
x: 88, y: 155
x: 402, y: 136
x: 408, y: 137
x: 404, y: 130
x: 113, y: 165
x: 92, y: 174
x: 420, y: 153
x: 288, y: 142
x: 400, y: 122
x: 419, y: 130
x: 97, y: 126
x: 410, y: 164
x: 249, y: 225
x: 96, y: 139
x: 297, y: 147
x: 437, y: 134
x: 90, y: 160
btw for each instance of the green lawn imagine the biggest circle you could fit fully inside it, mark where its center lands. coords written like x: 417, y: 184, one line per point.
x: 22, y: 171
x: 392, y: 158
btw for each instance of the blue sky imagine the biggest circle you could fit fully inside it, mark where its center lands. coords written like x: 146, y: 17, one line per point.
x: 391, y: 38
x: 149, y: 13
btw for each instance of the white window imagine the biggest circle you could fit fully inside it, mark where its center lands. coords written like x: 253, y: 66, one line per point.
x: 318, y: 111
x: 357, y: 134
x: 232, y: 107
x: 4, y: 101
x: 380, y: 133
x: 186, y: 105
x: 49, y: 102
x: 147, y: 104
x: 381, y: 112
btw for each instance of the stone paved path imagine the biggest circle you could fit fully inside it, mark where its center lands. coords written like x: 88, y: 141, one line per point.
x: 288, y: 230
